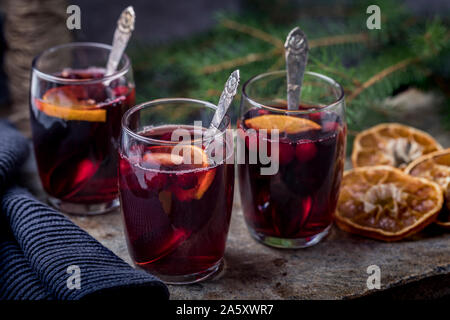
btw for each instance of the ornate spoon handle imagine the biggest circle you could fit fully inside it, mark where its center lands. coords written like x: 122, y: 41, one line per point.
x: 225, y: 100
x: 296, y: 53
x: 125, y: 26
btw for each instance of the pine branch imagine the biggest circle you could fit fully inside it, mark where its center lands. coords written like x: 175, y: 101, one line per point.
x: 277, y: 65
x: 330, y: 69
x: 380, y: 76
x: 234, y: 63
x: 339, y: 39
x: 277, y: 43
x: 256, y: 33
x: 395, y: 58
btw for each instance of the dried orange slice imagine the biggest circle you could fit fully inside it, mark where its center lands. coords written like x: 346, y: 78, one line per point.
x: 70, y: 103
x: 283, y: 123
x: 391, y: 144
x: 384, y: 203
x: 194, y: 157
x: 435, y: 167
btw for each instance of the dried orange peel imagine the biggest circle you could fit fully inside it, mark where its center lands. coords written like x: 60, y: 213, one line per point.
x: 391, y: 144
x: 67, y: 103
x: 435, y: 167
x: 384, y: 203
x: 283, y: 123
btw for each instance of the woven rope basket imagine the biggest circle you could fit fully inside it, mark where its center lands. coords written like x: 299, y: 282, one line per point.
x: 31, y: 26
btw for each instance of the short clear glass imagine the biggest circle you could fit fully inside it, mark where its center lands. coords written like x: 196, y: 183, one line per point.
x: 293, y: 206
x: 176, y: 201
x: 75, y: 118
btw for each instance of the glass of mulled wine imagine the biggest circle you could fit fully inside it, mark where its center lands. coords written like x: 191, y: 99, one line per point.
x: 75, y: 118
x: 176, y: 188
x: 292, y: 204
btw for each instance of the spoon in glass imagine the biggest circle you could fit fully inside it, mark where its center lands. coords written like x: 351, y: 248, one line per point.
x: 125, y: 26
x: 296, y: 54
x: 225, y: 100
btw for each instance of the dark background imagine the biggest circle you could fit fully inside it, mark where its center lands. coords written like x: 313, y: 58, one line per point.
x: 162, y: 21
x: 168, y: 20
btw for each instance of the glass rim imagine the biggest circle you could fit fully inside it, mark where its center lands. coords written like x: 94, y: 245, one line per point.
x: 141, y: 106
x: 49, y: 77
x: 327, y: 79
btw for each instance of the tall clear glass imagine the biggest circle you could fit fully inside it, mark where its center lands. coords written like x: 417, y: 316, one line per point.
x: 176, y: 188
x: 75, y: 118
x: 291, y: 205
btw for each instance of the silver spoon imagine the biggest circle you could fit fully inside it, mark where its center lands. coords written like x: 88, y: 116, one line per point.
x: 225, y: 100
x: 125, y: 26
x: 296, y: 54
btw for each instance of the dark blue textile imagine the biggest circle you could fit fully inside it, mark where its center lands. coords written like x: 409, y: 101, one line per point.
x: 38, y: 247
x: 13, y: 152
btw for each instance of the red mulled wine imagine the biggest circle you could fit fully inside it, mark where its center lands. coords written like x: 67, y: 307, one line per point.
x: 75, y: 133
x: 297, y: 201
x: 176, y: 212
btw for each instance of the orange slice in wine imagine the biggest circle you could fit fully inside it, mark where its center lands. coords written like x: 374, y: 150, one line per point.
x: 283, y: 123
x: 384, y: 203
x: 70, y: 103
x: 195, y: 158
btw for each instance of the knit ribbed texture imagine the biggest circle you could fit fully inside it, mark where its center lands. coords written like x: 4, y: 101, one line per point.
x: 38, y: 245
x: 51, y: 243
x: 17, y: 279
x: 13, y: 152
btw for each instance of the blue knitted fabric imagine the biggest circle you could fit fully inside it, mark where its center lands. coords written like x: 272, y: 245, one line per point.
x: 39, y: 245
x: 13, y: 152
x: 17, y: 279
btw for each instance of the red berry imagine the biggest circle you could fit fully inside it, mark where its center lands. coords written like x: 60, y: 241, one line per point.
x: 286, y: 151
x: 331, y: 126
x: 121, y: 91
x: 155, y: 181
x: 316, y: 116
x: 306, y: 150
x: 124, y: 166
x: 251, y: 140
x: 166, y: 136
x: 186, y: 180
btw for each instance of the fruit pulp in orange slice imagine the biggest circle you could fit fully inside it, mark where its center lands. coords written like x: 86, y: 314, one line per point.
x: 282, y: 123
x: 71, y: 102
x: 384, y: 203
x: 435, y: 166
x: 391, y: 144
x: 190, y: 176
